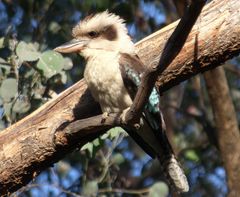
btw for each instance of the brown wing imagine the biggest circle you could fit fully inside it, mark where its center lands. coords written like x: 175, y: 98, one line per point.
x: 131, y: 68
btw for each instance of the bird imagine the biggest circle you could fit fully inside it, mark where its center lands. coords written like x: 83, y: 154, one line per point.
x: 113, y: 73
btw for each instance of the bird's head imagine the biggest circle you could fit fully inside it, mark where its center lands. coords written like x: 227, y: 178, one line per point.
x: 103, y: 31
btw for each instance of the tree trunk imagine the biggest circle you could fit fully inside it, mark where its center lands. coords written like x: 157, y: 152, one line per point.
x: 29, y: 146
x: 228, y: 135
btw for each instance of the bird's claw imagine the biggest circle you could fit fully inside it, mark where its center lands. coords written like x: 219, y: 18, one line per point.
x: 104, y: 117
x: 139, y: 125
x: 123, y: 119
x: 123, y: 115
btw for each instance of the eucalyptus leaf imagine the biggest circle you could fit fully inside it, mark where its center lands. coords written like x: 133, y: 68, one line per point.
x: 159, y: 189
x: 96, y: 142
x: 191, y: 155
x: 8, y: 89
x: 88, y: 147
x: 118, y: 158
x: 38, y: 90
x: 63, y: 77
x: 4, y: 66
x: 2, y: 125
x: 114, y: 132
x: 104, y: 136
x: 54, y: 27
x: 1, y: 101
x: 21, y: 105
x: 5, y: 69
x: 12, y: 44
x: 235, y: 93
x: 68, y: 64
x: 51, y: 63
x: 7, y: 109
x: 27, y: 51
x: 90, y: 188
x: 1, y: 42
x: 63, y: 167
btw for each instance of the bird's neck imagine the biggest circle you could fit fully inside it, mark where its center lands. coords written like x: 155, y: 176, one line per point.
x: 109, y: 48
x: 98, y: 53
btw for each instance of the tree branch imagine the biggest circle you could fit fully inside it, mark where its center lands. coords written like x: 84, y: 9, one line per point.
x: 228, y: 135
x: 27, y: 147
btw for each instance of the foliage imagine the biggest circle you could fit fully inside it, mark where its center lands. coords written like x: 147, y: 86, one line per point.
x: 26, y: 74
x: 31, y: 73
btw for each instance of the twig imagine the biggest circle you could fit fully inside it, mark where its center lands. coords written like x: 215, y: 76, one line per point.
x: 29, y: 186
x: 126, y: 191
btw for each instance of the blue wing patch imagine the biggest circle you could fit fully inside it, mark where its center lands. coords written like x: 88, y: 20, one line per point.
x: 154, y: 99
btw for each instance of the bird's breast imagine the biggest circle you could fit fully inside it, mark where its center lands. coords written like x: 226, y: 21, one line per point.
x: 104, y: 80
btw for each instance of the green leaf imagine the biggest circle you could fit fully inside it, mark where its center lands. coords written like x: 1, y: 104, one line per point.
x: 235, y: 94
x: 2, y: 125
x: 90, y: 188
x: 104, y: 136
x: 1, y: 42
x: 191, y: 155
x: 27, y: 51
x: 21, y: 106
x: 38, y: 90
x: 63, y: 168
x: 51, y: 63
x: 54, y: 27
x: 118, y: 158
x: 114, y: 132
x: 63, y: 77
x: 8, y: 89
x: 159, y: 189
x: 7, y: 109
x: 88, y: 147
x: 96, y: 142
x: 4, y: 66
x: 68, y: 64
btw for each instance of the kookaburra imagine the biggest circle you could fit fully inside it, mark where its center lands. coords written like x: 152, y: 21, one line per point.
x: 112, y: 73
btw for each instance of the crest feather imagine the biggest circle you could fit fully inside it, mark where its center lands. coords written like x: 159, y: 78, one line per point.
x: 97, y: 22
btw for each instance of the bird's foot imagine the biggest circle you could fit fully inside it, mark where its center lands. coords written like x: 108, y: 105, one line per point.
x: 123, y: 115
x: 104, y: 117
x: 139, y: 125
x: 123, y: 119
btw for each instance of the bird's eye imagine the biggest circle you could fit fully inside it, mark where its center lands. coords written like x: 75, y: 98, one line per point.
x: 93, y: 34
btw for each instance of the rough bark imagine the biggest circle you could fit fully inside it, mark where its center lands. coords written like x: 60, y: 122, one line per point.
x: 214, y: 37
x: 27, y: 147
x: 228, y: 135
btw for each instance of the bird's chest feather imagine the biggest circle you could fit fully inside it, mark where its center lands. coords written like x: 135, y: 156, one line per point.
x: 104, y: 80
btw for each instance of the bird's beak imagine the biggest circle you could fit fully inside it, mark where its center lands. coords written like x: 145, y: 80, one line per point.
x: 74, y: 45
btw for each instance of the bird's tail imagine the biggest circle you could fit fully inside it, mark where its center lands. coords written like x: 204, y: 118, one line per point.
x: 170, y: 166
x: 174, y: 173
x: 156, y: 144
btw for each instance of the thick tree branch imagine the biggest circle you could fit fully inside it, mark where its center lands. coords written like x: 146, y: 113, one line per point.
x: 80, y: 128
x: 228, y: 135
x: 27, y: 147
x: 214, y: 37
